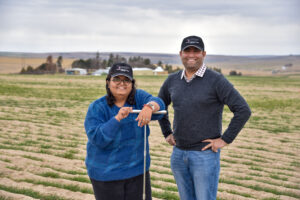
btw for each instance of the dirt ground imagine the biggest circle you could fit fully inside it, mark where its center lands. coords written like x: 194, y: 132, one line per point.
x: 43, y: 142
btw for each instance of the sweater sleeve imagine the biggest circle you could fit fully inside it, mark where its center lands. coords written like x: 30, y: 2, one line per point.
x: 144, y: 97
x: 99, y: 131
x: 228, y: 95
x: 164, y: 123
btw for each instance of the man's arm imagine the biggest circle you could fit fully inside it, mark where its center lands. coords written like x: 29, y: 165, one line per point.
x: 228, y: 95
x: 237, y: 105
x: 164, y: 123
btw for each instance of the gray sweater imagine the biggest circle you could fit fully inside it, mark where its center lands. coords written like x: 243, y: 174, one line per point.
x: 198, y: 107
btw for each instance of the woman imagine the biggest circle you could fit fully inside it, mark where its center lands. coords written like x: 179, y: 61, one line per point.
x: 116, y: 137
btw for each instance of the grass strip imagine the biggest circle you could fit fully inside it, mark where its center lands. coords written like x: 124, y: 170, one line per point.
x: 165, y: 195
x: 56, y: 175
x: 72, y: 172
x: 236, y: 193
x: 71, y: 187
x: 31, y: 193
x: 5, y: 198
x: 169, y: 180
x: 260, y: 188
x: 165, y: 188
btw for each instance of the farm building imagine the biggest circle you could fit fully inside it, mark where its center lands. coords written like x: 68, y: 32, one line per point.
x: 100, y: 72
x: 159, y: 70
x: 141, y: 69
x: 76, y: 71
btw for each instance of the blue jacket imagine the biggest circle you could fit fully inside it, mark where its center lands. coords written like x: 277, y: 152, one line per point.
x: 115, y: 149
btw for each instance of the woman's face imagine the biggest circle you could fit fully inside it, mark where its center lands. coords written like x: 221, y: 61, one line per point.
x: 120, y: 86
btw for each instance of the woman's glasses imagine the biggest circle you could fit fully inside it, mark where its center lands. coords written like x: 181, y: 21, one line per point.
x: 118, y: 81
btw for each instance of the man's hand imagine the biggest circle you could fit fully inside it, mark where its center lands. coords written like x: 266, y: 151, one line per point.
x: 215, y: 144
x: 170, y: 139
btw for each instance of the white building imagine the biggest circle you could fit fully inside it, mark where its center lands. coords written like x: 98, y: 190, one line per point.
x: 100, y: 72
x: 141, y: 69
x: 76, y: 71
x: 158, y: 70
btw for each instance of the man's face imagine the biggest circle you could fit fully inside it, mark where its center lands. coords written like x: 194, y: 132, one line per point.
x: 192, y: 58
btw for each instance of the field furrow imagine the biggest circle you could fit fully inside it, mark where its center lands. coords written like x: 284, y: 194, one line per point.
x: 43, y: 141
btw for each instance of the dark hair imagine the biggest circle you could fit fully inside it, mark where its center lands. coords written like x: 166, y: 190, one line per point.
x: 110, y: 97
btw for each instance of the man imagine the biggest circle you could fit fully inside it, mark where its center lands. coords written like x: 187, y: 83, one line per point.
x: 198, y: 95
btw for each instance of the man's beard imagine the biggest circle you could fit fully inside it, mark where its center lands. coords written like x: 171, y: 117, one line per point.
x: 192, y: 67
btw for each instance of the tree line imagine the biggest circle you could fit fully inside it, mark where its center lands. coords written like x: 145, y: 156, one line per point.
x: 49, y: 67
x: 99, y: 63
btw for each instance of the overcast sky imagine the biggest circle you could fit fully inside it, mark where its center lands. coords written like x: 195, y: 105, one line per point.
x: 228, y: 27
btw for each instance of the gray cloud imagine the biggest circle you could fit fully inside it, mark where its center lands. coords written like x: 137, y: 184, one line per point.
x: 228, y: 27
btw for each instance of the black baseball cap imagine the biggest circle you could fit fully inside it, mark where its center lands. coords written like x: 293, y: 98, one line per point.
x: 192, y: 41
x: 121, y: 69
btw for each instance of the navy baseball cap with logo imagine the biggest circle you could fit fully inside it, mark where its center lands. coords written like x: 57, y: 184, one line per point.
x: 192, y: 41
x: 121, y: 69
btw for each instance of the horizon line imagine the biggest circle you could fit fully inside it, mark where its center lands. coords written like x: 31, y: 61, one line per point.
x: 128, y: 52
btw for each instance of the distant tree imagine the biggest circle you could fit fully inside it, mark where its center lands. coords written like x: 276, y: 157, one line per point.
x: 159, y: 63
x: 288, y: 65
x: 97, y: 60
x: 140, y: 62
x: 29, y: 68
x: 59, y: 64
x: 50, y: 66
x: 23, y: 70
x: 169, y: 68
x: 234, y: 73
x: 47, y: 67
x: 97, y: 63
x: 216, y: 69
x: 42, y: 67
x: 79, y: 64
x: 59, y: 61
x: 104, y: 64
x: 89, y: 64
x: 147, y: 61
x: 110, y: 60
x: 49, y: 59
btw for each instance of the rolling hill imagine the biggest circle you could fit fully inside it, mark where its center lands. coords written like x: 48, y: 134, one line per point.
x: 12, y: 62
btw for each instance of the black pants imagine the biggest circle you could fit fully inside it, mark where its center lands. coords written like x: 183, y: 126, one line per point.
x: 128, y: 189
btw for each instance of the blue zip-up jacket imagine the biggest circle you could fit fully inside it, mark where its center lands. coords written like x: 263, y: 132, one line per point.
x: 115, y: 149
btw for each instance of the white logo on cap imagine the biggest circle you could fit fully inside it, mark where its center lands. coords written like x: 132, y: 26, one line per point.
x: 192, y: 42
x: 123, y: 70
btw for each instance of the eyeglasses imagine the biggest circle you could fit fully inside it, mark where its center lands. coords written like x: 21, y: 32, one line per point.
x: 118, y: 81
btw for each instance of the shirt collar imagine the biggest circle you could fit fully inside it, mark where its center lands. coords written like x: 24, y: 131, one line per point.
x: 200, y: 72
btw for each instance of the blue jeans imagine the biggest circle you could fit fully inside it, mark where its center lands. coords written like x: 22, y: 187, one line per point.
x: 196, y: 173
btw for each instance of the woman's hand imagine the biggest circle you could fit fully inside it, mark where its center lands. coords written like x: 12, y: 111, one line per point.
x: 144, y: 117
x: 123, y: 113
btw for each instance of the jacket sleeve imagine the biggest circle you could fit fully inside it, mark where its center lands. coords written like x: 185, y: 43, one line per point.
x: 144, y: 97
x: 228, y: 95
x: 164, y: 123
x: 99, y: 131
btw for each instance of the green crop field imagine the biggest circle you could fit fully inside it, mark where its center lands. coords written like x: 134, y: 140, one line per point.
x: 43, y: 142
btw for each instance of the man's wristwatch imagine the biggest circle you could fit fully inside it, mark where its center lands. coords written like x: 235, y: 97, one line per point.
x: 151, y: 105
